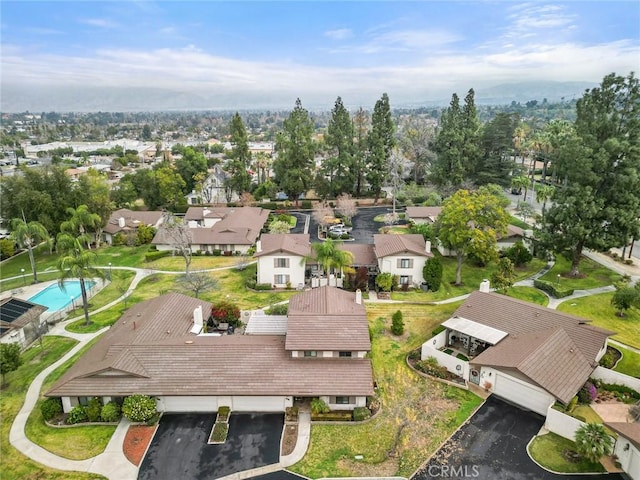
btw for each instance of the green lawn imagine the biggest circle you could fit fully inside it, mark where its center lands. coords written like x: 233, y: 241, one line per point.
x: 528, y: 294
x: 433, y: 410
x: 547, y: 451
x: 519, y: 223
x: 592, y: 274
x: 198, y: 262
x: 77, y: 443
x: 586, y: 412
x: 629, y: 364
x: 13, y: 464
x: 598, y: 309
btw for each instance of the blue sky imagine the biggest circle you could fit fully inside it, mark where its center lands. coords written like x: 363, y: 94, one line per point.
x: 315, y: 50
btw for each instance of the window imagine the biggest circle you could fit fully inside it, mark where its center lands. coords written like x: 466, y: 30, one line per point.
x: 405, y: 280
x: 405, y: 263
x: 281, y: 262
x: 280, y: 279
x: 344, y: 354
x: 310, y: 353
x: 342, y: 400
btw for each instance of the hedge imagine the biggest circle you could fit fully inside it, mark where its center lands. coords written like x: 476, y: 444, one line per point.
x: 552, y: 289
x: 332, y: 417
x: 151, y: 256
x: 263, y: 286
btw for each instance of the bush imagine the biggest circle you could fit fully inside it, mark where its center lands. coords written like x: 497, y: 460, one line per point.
x: 397, y: 325
x: 319, y: 406
x: 608, y: 360
x: 432, y: 273
x: 277, y: 309
x: 219, y: 433
x: 7, y: 248
x: 51, y: 408
x: 332, y: 417
x: 438, y: 330
x: 620, y: 390
x: 263, y: 286
x: 139, y: 408
x: 518, y: 254
x: 94, y: 409
x: 111, y: 412
x: 431, y: 367
x: 226, y: 312
x: 572, y: 404
x: 251, y: 283
x: 216, y: 252
x: 587, y: 393
x: 361, y: 413
x: 385, y: 281
x: 76, y: 415
x: 151, y: 256
x: 552, y: 289
x: 223, y: 414
x: 306, y: 205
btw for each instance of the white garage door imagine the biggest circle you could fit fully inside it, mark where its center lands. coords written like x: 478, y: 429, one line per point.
x: 258, y: 404
x: 188, y: 404
x: 634, y: 465
x: 521, y: 393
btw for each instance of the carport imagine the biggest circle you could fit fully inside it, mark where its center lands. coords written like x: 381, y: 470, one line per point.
x: 179, y: 449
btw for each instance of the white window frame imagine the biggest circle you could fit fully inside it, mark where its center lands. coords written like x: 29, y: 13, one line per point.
x: 280, y: 260
x: 281, y: 276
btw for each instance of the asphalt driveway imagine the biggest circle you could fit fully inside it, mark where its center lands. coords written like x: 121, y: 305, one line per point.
x: 492, y: 445
x: 179, y: 449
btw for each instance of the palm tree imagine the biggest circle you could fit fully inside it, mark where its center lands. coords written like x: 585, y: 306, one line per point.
x: 81, y: 221
x: 519, y: 135
x: 29, y: 235
x: 76, y: 262
x: 544, y: 193
x: 593, y: 442
x: 329, y: 256
x: 520, y: 182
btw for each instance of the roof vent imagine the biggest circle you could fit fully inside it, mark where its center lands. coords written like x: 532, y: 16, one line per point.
x: 188, y: 342
x: 168, y: 332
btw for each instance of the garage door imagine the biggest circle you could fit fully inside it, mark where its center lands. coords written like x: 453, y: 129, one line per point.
x: 521, y: 393
x: 188, y: 404
x: 258, y: 404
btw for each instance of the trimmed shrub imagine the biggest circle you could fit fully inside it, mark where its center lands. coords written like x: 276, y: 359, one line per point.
x: 216, y: 252
x: 621, y: 391
x: 251, y: 283
x: 226, y: 312
x: 111, y: 412
x: 361, y: 413
x: 572, y: 404
x: 76, y: 415
x: 151, y: 256
x: 518, y: 254
x: 51, y: 408
x: 432, y: 273
x: 431, y: 367
x: 438, y: 329
x: 139, y: 408
x: 94, y: 409
x: 277, y: 309
x: 306, y: 204
x: 263, y: 286
x: 319, y: 406
x: 587, y: 393
x: 332, y: 417
x: 397, y: 325
x: 551, y: 289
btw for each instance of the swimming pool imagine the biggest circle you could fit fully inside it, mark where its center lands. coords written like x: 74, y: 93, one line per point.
x: 57, y: 298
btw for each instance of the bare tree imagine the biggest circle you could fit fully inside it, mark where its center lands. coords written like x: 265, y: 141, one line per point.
x: 242, y: 262
x: 178, y: 234
x: 346, y: 205
x: 323, y: 215
x: 198, y: 282
x: 37, y: 326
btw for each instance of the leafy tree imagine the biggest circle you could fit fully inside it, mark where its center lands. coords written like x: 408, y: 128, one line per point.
x: 10, y: 359
x: 191, y: 166
x: 380, y: 141
x: 503, y: 278
x: 624, y: 298
x: 226, y: 312
x: 279, y: 226
x: 29, y: 235
x: 76, y: 262
x: 80, y: 223
x: 124, y: 194
x: 543, y: 194
x: 295, y: 147
x: 432, y: 273
x: 518, y: 254
x: 93, y: 190
x: 593, y: 442
x: 338, y: 167
x: 330, y: 257
x: 170, y: 186
x: 385, y: 281
x: 525, y: 210
x: 198, y: 282
x: 469, y: 224
x: 7, y: 248
x: 145, y: 234
x: 239, y: 179
x: 415, y: 138
x: 495, y: 162
x: 397, y: 324
x: 519, y: 183
x: 598, y: 206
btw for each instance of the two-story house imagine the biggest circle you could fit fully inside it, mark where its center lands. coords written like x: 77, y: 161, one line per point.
x: 402, y: 255
x: 281, y: 259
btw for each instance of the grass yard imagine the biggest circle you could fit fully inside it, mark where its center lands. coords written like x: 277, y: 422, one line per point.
x: 528, y: 294
x: 14, y: 465
x: 629, y: 364
x: 586, y: 412
x: 547, y: 451
x: 595, y: 275
x: 432, y: 410
x: 598, y: 309
x: 519, y: 223
x: 77, y: 443
x: 198, y: 262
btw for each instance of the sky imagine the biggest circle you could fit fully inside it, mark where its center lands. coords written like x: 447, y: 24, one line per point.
x: 248, y: 51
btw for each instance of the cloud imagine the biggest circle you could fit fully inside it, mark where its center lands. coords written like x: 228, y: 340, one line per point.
x: 534, y: 19
x: 339, y: 34
x: 399, y: 41
x: 99, y: 22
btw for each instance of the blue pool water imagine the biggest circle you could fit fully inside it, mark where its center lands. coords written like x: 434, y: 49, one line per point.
x: 57, y: 298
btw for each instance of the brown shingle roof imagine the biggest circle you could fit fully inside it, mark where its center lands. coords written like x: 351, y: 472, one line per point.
x: 391, y: 244
x: 424, y: 212
x: 132, y: 219
x: 363, y: 253
x: 630, y: 431
x: 295, y: 244
x: 327, y: 318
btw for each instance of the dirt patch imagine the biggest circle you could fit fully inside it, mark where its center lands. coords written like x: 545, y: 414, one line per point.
x: 388, y: 468
x: 290, y: 439
x: 136, y: 442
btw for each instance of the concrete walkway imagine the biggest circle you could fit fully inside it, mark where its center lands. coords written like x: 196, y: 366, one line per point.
x: 304, y: 435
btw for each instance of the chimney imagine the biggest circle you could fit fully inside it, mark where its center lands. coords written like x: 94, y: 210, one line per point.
x: 359, y: 297
x: 258, y: 246
x: 121, y: 222
x: 197, y: 316
x: 485, y: 286
x: 427, y: 246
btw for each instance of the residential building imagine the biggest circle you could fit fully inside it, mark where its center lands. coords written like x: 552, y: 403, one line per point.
x: 157, y: 348
x: 20, y: 321
x: 127, y: 221
x: 282, y: 259
x: 402, y: 255
x: 423, y: 214
x: 627, y: 447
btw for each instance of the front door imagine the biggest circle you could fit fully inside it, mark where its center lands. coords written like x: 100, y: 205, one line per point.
x: 474, y: 376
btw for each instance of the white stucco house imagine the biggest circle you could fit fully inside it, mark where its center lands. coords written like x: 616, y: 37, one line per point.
x: 402, y: 255
x: 127, y: 221
x: 158, y: 348
x: 530, y: 355
x: 627, y: 447
x: 281, y: 259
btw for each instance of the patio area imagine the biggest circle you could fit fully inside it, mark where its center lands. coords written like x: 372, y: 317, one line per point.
x: 613, y: 412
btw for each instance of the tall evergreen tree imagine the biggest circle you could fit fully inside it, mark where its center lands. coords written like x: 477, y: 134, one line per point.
x: 295, y: 148
x: 495, y: 163
x: 448, y: 168
x: 381, y: 141
x: 338, y: 168
x: 238, y: 165
x: 598, y: 205
x: 361, y: 125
